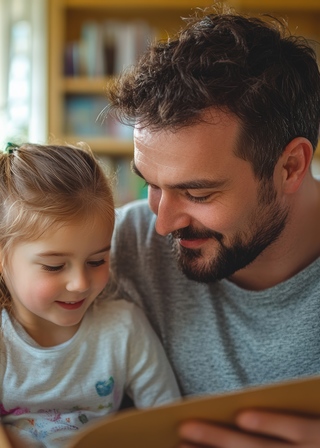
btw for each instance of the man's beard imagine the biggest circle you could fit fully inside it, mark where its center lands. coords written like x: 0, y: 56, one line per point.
x: 266, y: 226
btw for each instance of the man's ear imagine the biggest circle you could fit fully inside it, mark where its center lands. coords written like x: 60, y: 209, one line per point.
x: 295, y: 163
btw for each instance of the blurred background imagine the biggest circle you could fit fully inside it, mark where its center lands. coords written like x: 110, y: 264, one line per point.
x: 57, y: 56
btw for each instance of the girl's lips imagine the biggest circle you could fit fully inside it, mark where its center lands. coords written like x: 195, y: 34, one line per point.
x: 70, y: 305
x: 193, y: 243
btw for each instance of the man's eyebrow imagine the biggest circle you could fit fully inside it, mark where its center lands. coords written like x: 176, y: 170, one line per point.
x: 199, y: 184
x: 190, y: 185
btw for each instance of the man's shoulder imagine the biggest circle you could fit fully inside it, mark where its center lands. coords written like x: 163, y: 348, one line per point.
x: 135, y: 216
x: 137, y: 207
x: 115, y: 310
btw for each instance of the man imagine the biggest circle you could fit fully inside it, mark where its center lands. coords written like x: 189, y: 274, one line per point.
x: 226, y: 263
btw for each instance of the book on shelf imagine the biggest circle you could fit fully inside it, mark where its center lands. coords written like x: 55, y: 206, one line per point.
x: 128, y: 186
x: 106, y: 48
x: 157, y: 427
x: 85, y: 117
x: 91, y: 60
x: 81, y: 112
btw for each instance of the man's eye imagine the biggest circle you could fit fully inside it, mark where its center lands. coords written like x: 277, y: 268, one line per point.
x: 97, y: 263
x: 198, y: 198
x: 153, y: 187
x: 51, y: 268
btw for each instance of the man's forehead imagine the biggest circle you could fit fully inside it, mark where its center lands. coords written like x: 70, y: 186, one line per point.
x: 211, y: 117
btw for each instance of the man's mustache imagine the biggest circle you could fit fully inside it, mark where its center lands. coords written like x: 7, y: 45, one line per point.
x: 189, y: 233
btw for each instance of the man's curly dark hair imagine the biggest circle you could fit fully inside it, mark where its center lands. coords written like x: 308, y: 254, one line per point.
x: 250, y: 67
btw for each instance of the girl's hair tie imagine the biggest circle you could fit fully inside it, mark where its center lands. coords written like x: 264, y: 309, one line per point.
x: 11, y: 147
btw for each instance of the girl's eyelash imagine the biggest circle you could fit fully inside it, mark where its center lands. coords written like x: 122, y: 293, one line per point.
x: 93, y: 264
x: 51, y: 268
x: 97, y: 263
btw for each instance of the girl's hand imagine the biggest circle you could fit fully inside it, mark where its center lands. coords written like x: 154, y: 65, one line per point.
x: 257, y: 429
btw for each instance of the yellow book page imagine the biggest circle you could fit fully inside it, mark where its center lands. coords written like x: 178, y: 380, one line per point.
x: 156, y: 427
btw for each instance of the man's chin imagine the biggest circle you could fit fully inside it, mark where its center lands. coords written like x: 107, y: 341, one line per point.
x: 200, y: 277
x: 191, y: 263
x: 194, y: 271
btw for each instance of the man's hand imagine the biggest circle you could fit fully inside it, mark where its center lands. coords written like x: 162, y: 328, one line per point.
x: 257, y: 429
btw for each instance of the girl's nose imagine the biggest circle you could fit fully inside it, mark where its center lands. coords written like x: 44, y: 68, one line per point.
x: 78, y: 281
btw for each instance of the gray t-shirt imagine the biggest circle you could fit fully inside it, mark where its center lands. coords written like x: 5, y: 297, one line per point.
x: 218, y: 336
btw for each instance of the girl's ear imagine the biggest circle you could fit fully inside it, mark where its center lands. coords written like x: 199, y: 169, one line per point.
x: 296, y: 160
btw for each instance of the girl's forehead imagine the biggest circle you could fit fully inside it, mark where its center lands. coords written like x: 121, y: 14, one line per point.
x: 87, y: 223
x: 74, y: 239
x: 46, y: 228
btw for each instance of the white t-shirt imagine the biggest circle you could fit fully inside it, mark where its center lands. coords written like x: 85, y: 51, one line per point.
x: 49, y: 393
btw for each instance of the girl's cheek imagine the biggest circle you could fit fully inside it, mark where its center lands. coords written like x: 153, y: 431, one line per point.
x: 46, y: 289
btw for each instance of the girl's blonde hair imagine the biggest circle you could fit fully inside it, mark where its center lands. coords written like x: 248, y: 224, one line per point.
x: 46, y: 185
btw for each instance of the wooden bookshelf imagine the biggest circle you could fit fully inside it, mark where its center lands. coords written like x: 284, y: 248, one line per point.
x: 66, y: 18
x: 71, y: 97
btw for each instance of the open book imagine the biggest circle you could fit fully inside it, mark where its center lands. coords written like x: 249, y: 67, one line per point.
x: 156, y: 427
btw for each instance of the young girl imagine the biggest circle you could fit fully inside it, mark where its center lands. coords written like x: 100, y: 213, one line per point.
x: 67, y: 354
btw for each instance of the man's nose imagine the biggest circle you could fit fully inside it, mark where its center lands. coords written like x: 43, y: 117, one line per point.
x: 171, y: 212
